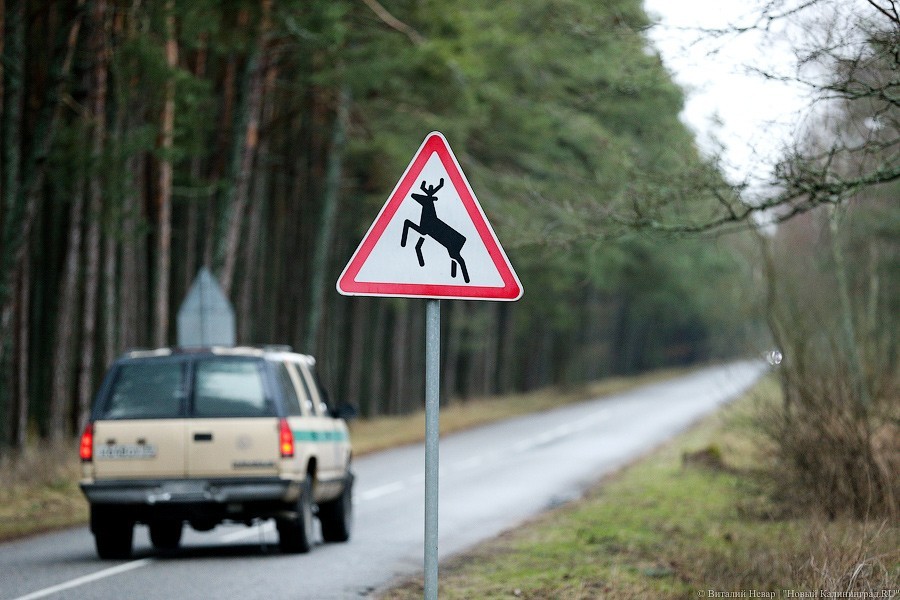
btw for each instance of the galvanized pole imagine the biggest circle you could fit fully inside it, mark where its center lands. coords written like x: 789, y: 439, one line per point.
x: 432, y: 435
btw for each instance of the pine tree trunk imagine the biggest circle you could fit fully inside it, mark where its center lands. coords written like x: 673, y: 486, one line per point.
x: 217, y: 170
x: 507, y: 355
x: 95, y: 212
x: 357, y: 346
x: 2, y: 95
x: 13, y: 60
x: 449, y: 380
x: 143, y: 310
x: 491, y: 350
x: 330, y: 201
x: 164, y: 189
x: 13, y: 69
x: 244, y: 153
x: 66, y: 327
x: 23, y: 392
x: 380, y: 345
x: 399, y: 348
x: 19, y: 216
x: 252, y: 244
x: 128, y: 288
x: 89, y: 307
x: 129, y: 106
x: 110, y: 320
x: 193, y: 210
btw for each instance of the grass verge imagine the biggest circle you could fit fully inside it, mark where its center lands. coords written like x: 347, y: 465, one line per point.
x: 39, y: 490
x: 696, y: 518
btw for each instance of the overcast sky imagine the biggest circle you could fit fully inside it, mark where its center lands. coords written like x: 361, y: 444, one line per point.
x: 750, y: 117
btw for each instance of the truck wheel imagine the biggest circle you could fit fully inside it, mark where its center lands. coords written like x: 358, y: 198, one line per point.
x: 113, y: 534
x: 166, y: 535
x: 337, y: 515
x: 295, y: 534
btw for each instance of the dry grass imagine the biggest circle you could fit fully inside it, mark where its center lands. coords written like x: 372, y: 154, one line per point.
x: 40, y: 491
x: 696, y: 515
x: 854, y: 467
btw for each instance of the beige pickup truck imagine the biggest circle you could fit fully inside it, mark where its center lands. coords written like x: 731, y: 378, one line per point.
x: 215, y: 435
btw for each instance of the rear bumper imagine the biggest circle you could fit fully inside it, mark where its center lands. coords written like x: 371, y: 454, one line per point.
x: 190, y: 491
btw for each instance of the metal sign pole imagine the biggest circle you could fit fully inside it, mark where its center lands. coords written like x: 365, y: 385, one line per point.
x: 432, y: 435
x: 379, y: 265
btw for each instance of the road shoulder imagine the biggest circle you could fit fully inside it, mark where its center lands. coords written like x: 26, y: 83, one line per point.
x: 694, y: 518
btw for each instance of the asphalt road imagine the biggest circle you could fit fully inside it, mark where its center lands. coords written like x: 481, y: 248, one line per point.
x: 491, y: 479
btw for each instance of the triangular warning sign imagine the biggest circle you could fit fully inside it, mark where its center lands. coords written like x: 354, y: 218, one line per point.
x: 431, y: 238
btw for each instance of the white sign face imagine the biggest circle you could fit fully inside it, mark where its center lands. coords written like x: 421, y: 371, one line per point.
x: 431, y: 239
x: 206, y: 317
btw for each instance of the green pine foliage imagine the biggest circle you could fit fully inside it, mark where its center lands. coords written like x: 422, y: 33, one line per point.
x: 562, y: 115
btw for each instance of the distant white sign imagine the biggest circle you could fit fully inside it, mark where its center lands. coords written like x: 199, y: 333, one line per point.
x: 206, y: 317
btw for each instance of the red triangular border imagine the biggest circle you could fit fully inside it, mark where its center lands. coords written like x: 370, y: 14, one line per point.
x: 434, y: 143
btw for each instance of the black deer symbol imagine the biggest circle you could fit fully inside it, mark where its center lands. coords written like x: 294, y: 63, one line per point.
x: 439, y: 231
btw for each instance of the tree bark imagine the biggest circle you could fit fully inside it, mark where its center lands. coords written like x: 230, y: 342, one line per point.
x: 244, y: 153
x: 23, y: 394
x: 193, y: 210
x: 218, y: 163
x: 330, y: 201
x: 449, y: 380
x: 848, y: 328
x: 2, y: 93
x: 129, y: 289
x: 66, y: 327
x: 380, y: 346
x: 110, y: 320
x: 260, y: 199
x: 19, y: 218
x: 164, y: 188
x: 13, y: 65
x: 507, y: 355
x: 95, y: 211
x: 357, y: 346
x: 399, y: 348
x: 492, y: 350
x: 774, y: 320
x: 13, y: 70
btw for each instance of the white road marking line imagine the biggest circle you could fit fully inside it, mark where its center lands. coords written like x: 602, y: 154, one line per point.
x: 382, y: 490
x: 561, y: 431
x: 79, y: 581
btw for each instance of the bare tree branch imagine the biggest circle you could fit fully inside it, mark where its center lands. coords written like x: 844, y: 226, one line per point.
x: 891, y: 13
x: 393, y: 22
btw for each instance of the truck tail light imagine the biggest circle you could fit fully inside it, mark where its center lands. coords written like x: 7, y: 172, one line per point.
x: 86, y: 450
x: 285, y: 439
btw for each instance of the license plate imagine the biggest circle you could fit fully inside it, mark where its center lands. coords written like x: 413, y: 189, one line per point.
x: 125, y: 451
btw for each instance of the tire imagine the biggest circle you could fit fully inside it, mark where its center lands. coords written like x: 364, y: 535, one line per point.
x: 113, y: 534
x: 295, y: 534
x: 166, y: 535
x: 336, y: 515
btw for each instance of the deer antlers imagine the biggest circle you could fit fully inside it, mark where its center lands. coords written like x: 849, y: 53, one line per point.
x: 431, y: 190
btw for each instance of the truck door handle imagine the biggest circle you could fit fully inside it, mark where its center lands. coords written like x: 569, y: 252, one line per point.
x: 203, y: 437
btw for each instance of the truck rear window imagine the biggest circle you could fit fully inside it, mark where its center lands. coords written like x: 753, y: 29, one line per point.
x: 230, y: 388
x: 149, y: 390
